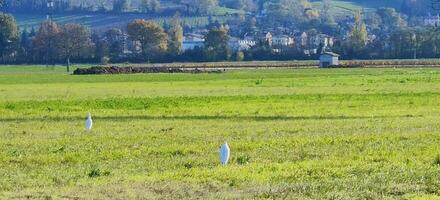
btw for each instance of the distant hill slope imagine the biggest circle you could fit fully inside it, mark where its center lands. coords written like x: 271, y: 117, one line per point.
x: 340, y: 8
x: 105, y: 21
x: 344, y: 7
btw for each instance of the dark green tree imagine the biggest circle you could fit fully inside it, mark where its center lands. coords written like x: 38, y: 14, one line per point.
x: 114, y: 39
x: 216, y: 45
x: 390, y: 19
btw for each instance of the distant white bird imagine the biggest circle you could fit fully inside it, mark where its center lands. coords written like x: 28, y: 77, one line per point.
x: 225, y: 152
x: 89, y: 122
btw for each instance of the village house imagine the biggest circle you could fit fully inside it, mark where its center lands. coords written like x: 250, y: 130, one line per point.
x: 432, y: 20
x: 283, y: 41
x: 310, y: 52
x: 267, y: 37
x: 129, y: 46
x: 322, y: 40
x: 301, y: 39
x: 193, y: 41
x: 244, y: 44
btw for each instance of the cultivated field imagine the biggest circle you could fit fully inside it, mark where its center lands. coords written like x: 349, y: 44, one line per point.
x: 293, y: 133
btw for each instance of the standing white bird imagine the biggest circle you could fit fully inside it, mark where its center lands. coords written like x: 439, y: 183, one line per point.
x: 225, y: 152
x: 89, y: 122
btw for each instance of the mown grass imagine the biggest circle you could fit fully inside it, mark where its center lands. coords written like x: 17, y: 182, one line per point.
x: 305, y: 134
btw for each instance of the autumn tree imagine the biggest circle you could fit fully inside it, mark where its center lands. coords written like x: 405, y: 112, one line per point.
x: 150, y: 36
x: 175, y: 35
x: 73, y: 40
x: 359, y: 36
x: 45, y: 41
x: 9, y: 34
x: 216, y: 44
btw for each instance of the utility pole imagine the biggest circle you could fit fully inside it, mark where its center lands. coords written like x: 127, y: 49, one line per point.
x: 414, y: 40
x: 49, y: 15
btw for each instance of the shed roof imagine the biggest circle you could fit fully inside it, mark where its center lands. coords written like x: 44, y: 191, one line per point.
x: 331, y: 54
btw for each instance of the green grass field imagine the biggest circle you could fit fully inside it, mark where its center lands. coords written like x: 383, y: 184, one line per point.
x: 293, y: 133
x: 343, y: 8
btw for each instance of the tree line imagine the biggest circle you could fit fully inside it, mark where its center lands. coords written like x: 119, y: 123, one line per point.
x: 147, y: 41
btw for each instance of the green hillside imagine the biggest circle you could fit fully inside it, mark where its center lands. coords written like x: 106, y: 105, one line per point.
x: 102, y: 21
x: 340, y: 8
x: 344, y: 7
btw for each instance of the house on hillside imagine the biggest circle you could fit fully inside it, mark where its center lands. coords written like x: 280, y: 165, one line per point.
x: 242, y: 44
x: 283, y: 41
x: 193, y: 41
x: 432, y: 20
x: 267, y: 37
x: 322, y: 40
x: 328, y: 59
x: 301, y: 39
x: 129, y: 46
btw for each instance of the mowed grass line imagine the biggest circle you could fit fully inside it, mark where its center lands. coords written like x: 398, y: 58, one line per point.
x: 44, y: 84
x: 336, y: 134
x: 312, y: 106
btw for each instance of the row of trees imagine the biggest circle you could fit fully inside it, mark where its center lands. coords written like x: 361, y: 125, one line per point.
x: 404, y: 42
x: 53, y: 42
x: 147, y: 41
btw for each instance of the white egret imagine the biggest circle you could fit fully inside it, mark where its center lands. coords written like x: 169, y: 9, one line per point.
x: 89, y: 122
x: 225, y: 152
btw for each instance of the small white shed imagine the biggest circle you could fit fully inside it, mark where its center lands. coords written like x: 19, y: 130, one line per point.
x: 328, y: 59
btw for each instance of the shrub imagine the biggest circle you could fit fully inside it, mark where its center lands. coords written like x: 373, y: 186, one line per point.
x: 259, y: 82
x: 188, y: 165
x: 243, y: 160
x: 105, y: 60
x: 240, y: 56
x: 437, y: 160
x: 96, y: 172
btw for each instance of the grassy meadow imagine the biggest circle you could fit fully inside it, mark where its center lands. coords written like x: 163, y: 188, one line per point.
x: 293, y: 133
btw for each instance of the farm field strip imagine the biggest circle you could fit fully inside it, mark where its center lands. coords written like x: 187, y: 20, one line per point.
x: 306, y: 134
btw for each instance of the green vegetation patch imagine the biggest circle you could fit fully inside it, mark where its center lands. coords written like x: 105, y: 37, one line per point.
x: 307, y: 134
